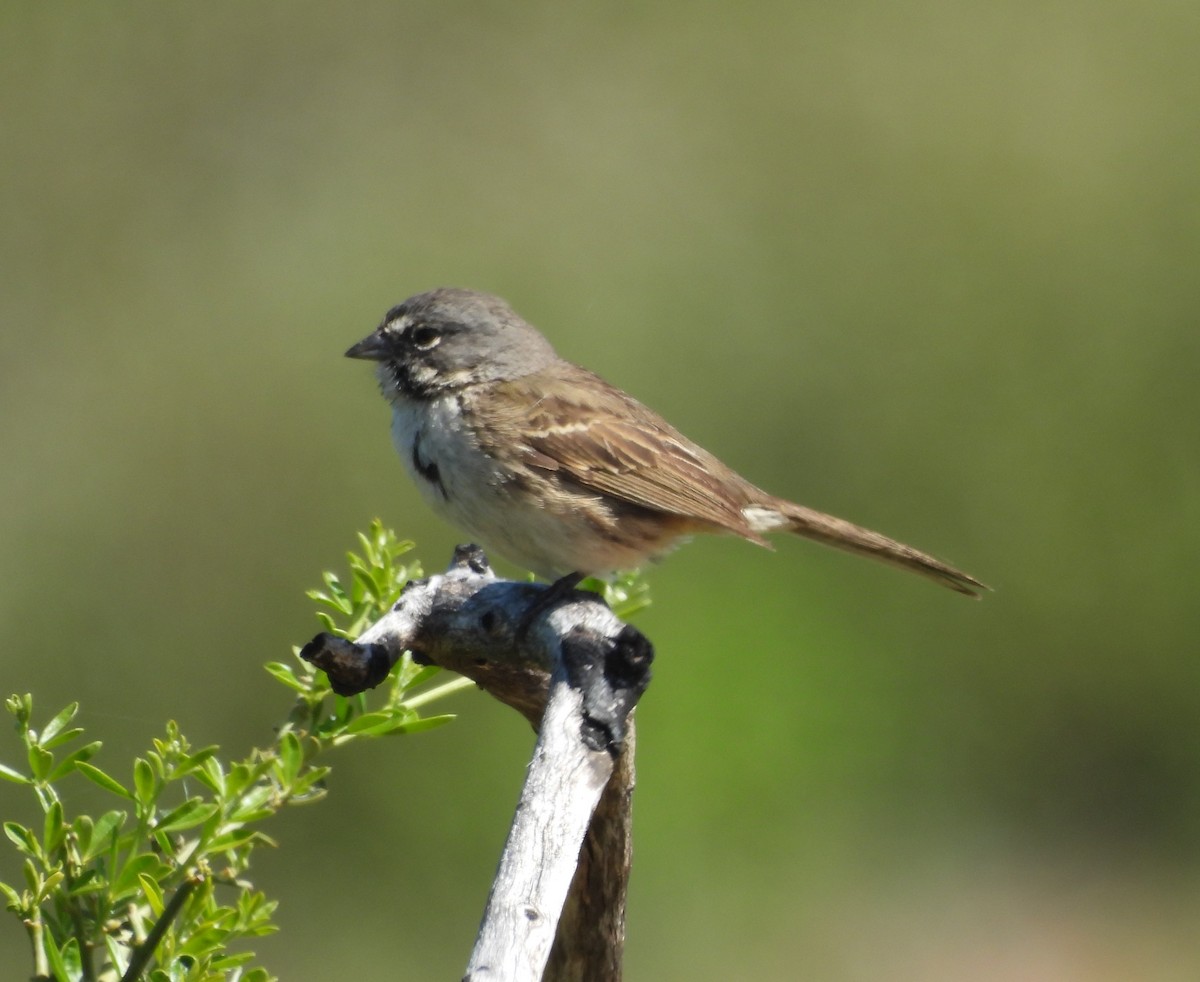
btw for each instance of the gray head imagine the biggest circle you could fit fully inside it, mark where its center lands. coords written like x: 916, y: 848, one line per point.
x: 449, y: 338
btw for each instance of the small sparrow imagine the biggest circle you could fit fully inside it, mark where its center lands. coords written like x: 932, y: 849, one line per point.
x: 555, y: 469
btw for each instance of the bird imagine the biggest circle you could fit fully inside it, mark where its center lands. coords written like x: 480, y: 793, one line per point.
x: 556, y: 470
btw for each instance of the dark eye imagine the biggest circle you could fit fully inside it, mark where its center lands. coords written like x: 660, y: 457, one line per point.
x: 425, y: 337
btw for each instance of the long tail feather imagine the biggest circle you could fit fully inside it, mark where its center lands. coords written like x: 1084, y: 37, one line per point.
x: 840, y: 534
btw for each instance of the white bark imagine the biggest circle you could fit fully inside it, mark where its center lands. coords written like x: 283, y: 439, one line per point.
x: 563, y: 785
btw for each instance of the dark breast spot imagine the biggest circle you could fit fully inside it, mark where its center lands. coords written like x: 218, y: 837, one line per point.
x: 428, y: 469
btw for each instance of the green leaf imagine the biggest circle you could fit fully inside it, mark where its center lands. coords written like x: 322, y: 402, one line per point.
x: 153, y: 893
x: 56, y: 725
x: 387, y: 723
x: 424, y: 723
x: 72, y: 760
x: 238, y: 779
x: 255, y: 805
x: 83, y: 827
x: 367, y: 581
x: 626, y: 594
x: 16, y: 777
x: 195, y: 761
x: 33, y: 879
x: 50, y: 885
x: 212, y: 774
x: 16, y: 903
x: 118, y: 954
x: 423, y: 674
x: 71, y: 962
x: 371, y: 723
x: 233, y: 840
x: 143, y: 781
x: 144, y: 864
x: 90, y: 881
x: 40, y: 761
x: 54, y: 958
x: 53, y: 830
x: 24, y: 839
x: 225, y: 963
x: 286, y: 675
x: 64, y: 737
x: 291, y: 756
x: 106, y: 781
x: 103, y: 834
x: 306, y: 789
x: 185, y: 816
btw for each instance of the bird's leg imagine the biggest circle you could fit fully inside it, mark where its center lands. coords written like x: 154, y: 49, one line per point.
x: 564, y: 585
x: 553, y: 594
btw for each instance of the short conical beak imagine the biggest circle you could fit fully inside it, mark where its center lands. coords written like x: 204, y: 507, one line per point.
x: 373, y: 347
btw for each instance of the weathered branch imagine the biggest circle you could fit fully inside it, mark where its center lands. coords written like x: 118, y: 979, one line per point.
x: 591, y: 930
x: 563, y: 660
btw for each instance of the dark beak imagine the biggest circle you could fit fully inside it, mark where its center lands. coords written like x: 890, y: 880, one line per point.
x: 374, y: 347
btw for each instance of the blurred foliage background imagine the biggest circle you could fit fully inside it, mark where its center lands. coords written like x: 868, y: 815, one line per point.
x: 929, y: 266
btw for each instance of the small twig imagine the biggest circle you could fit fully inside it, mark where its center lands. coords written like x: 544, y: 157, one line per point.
x: 87, y: 970
x: 145, y: 951
x: 434, y: 693
x: 36, y: 928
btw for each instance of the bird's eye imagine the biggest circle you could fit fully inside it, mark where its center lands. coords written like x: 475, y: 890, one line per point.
x: 425, y: 337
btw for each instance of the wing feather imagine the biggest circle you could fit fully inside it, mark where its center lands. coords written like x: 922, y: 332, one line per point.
x: 579, y: 428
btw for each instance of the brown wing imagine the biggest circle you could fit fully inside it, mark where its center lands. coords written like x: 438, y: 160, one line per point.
x: 581, y: 428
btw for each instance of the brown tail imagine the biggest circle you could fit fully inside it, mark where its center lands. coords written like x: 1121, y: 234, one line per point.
x: 841, y: 534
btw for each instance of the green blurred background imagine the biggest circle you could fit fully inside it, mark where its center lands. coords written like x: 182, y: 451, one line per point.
x: 930, y: 266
